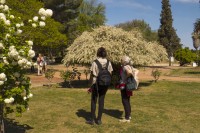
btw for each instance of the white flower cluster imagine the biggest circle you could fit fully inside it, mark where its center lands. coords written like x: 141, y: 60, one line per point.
x: 117, y: 43
x: 30, y: 43
x: 44, y: 14
x: 3, y: 18
x: 5, y: 61
x: 2, y: 78
x: 13, y: 54
x: 31, y: 53
x: 2, y: 1
x: 9, y: 100
x: 29, y: 96
x: 4, y: 7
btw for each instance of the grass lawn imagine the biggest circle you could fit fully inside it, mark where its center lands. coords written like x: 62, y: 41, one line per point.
x: 186, y: 72
x: 163, y: 107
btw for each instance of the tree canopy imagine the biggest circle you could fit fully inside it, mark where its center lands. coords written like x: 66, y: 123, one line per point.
x: 145, y: 29
x: 117, y: 43
x: 47, y: 39
x: 77, y: 16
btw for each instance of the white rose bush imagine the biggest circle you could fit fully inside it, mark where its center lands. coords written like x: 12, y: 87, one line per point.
x: 117, y: 43
x: 16, y: 54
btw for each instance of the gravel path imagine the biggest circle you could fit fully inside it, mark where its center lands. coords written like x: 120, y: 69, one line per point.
x: 144, y: 74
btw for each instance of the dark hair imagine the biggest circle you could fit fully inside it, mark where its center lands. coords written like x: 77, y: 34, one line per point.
x: 101, y: 52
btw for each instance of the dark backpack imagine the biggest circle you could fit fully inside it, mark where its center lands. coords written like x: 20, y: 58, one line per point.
x: 104, y: 76
x: 131, y: 84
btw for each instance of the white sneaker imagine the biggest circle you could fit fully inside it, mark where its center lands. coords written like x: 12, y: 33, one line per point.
x: 124, y: 117
x: 125, y: 120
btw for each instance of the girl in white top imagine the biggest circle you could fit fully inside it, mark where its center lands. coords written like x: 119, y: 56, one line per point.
x: 98, y: 92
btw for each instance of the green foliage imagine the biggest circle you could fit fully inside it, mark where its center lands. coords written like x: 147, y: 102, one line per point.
x: 49, y: 74
x: 65, y: 75
x: 167, y: 34
x: 185, y: 56
x: 156, y: 74
x: 145, y: 29
x: 68, y: 76
x: 77, y: 16
x: 47, y: 40
x: 66, y: 12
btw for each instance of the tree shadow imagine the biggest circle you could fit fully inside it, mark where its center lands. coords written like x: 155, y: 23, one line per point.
x: 113, y: 112
x: 83, y: 113
x: 75, y: 84
x: 145, y: 84
x: 11, y: 126
x: 195, y: 73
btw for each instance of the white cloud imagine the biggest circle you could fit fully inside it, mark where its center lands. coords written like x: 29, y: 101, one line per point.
x: 188, y: 1
x: 126, y: 3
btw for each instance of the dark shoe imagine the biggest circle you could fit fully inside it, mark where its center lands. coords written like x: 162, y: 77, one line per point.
x: 90, y: 122
x: 98, y: 122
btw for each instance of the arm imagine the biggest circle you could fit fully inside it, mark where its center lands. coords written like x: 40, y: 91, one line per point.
x: 128, y: 71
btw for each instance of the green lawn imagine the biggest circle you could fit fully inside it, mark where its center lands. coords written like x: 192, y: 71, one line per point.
x: 163, y: 107
x: 186, y: 72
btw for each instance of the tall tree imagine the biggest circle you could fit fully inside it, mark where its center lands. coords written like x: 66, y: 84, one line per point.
x: 66, y: 12
x: 145, y: 29
x: 167, y: 34
x: 196, y: 34
x: 77, y: 15
x: 196, y: 38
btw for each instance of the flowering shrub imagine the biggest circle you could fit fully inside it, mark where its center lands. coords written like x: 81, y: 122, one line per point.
x: 117, y: 43
x: 15, y: 56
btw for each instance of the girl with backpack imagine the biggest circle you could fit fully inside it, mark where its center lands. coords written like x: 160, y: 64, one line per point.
x: 101, y: 70
x: 126, y: 71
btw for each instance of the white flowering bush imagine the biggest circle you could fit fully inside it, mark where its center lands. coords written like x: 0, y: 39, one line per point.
x: 15, y: 56
x: 117, y: 43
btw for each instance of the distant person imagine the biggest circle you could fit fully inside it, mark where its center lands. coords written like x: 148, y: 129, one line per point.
x: 101, y: 66
x: 44, y: 64
x: 126, y: 71
x: 40, y: 60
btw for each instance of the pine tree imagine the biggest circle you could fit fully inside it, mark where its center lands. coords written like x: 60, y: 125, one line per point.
x: 167, y: 34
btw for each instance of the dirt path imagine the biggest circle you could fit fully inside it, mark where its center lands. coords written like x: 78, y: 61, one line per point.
x: 144, y: 74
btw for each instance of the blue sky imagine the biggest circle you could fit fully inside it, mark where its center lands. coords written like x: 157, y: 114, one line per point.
x: 184, y: 13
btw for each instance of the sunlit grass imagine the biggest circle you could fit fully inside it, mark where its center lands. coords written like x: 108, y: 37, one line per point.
x: 156, y: 108
x: 186, y: 72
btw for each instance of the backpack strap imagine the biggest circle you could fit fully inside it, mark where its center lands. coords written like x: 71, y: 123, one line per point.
x: 107, y: 64
x: 98, y: 64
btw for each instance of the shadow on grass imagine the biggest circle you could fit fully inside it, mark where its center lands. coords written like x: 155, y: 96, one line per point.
x: 14, y: 127
x: 82, y: 113
x: 75, y: 84
x: 113, y: 112
x: 145, y: 84
x: 195, y: 73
